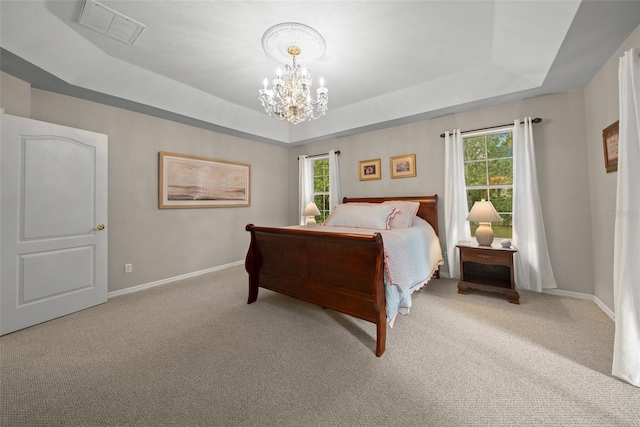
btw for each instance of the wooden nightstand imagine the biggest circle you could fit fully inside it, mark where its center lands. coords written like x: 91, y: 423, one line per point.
x: 487, y: 268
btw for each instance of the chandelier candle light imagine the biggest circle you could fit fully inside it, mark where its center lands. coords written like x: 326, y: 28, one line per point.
x: 289, y: 98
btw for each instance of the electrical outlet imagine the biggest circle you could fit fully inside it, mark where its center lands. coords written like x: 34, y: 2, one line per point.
x: 128, y: 268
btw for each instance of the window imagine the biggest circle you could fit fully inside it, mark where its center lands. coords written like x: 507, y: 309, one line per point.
x: 321, y: 187
x: 488, y: 172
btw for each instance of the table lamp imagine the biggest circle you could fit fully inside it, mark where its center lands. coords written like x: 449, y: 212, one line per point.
x: 310, y: 211
x: 484, y: 212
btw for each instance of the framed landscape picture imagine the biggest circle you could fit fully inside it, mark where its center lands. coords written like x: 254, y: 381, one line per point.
x: 403, y: 166
x: 198, y: 182
x: 610, y: 144
x: 369, y: 169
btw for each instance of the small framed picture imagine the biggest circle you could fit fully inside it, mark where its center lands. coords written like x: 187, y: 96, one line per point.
x: 369, y: 169
x: 610, y: 144
x: 403, y: 166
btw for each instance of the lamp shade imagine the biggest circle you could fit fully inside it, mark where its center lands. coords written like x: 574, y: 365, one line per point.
x: 483, y: 211
x: 312, y: 210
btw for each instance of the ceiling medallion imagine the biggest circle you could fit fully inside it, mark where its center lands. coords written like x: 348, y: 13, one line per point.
x: 289, y: 98
x: 277, y: 40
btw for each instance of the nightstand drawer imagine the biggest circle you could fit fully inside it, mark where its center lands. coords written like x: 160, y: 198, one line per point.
x: 487, y: 256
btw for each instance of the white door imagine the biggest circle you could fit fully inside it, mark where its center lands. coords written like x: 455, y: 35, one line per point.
x: 53, y: 219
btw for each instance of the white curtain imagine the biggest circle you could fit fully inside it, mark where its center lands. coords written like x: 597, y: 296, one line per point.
x: 533, y: 265
x: 626, y: 268
x: 305, y: 186
x: 455, y: 200
x: 334, y: 180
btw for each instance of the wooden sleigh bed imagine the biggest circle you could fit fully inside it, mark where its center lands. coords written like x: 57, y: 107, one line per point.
x: 339, y: 271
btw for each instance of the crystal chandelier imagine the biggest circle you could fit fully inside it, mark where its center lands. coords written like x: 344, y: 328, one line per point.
x: 290, y: 98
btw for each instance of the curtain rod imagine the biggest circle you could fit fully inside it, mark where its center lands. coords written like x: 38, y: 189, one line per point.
x: 536, y: 120
x: 320, y: 155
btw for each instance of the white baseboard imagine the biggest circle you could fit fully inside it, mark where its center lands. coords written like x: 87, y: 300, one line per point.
x: 579, y: 295
x: 144, y: 286
x: 604, y: 308
x: 568, y: 294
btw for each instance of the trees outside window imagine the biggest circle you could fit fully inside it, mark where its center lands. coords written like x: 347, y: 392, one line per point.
x: 488, y: 171
x: 321, y: 187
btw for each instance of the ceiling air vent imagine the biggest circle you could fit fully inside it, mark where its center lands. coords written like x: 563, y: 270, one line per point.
x: 109, y: 22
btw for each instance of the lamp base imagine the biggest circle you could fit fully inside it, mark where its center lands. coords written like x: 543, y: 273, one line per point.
x: 311, y: 220
x: 484, y: 234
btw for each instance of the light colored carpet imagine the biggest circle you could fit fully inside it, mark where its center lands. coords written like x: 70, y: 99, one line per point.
x: 193, y: 353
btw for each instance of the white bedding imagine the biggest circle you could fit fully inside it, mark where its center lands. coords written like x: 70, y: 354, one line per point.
x: 412, y: 256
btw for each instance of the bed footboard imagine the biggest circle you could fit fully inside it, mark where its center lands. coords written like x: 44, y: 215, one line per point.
x: 343, y: 272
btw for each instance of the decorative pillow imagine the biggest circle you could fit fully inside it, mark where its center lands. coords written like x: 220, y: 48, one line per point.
x: 361, y: 215
x: 407, y: 211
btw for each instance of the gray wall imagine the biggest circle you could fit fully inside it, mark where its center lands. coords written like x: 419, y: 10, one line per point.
x: 15, y: 95
x: 163, y: 243
x: 601, y: 109
x: 561, y: 161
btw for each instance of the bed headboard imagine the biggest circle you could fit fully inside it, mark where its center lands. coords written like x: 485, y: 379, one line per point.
x: 428, y: 209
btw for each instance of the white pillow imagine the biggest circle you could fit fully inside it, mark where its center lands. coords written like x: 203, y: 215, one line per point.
x: 361, y: 215
x: 407, y: 211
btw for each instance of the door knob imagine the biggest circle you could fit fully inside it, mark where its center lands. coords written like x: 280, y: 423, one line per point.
x: 100, y: 227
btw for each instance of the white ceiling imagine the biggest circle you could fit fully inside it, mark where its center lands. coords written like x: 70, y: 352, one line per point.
x: 386, y: 62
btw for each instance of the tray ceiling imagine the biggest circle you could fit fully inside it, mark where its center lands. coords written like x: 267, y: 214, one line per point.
x: 386, y: 62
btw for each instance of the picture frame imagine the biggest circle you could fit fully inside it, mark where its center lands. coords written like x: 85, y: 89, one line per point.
x: 610, y: 145
x: 403, y: 166
x: 198, y: 182
x: 369, y: 169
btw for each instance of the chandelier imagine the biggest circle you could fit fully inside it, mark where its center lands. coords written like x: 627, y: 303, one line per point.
x: 289, y: 97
